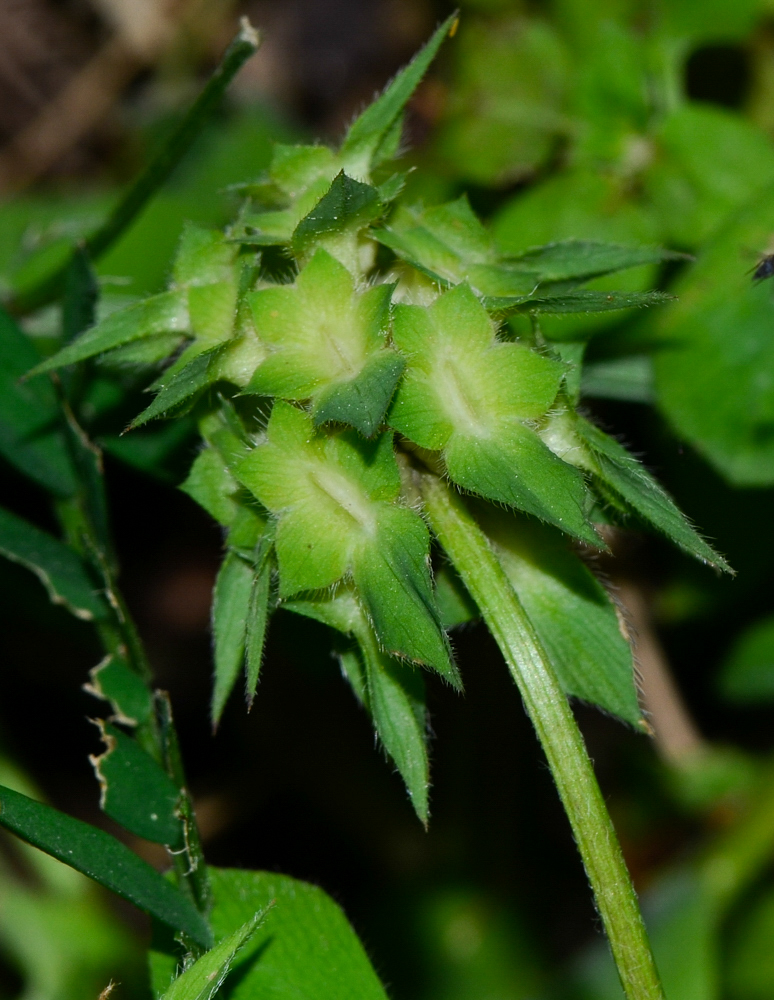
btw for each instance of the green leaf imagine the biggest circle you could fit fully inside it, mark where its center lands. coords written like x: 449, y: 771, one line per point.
x: 57, y: 566
x: 181, y: 387
x: 392, y: 576
x: 230, y: 614
x: 709, y: 163
x: 30, y: 434
x: 579, y: 260
x: 212, y: 486
x: 715, y: 350
x: 135, y: 791
x: 203, y: 979
x: 327, y: 342
x: 362, y: 401
x: 747, y: 674
x: 102, y: 858
x: 164, y: 313
x: 114, y: 681
x: 257, y: 620
x: 449, y: 244
x: 81, y: 293
x: 629, y: 479
x: 348, y: 204
x: 368, y: 132
x: 577, y: 300
x: 572, y: 613
x: 204, y: 257
x: 303, y: 946
x: 455, y: 604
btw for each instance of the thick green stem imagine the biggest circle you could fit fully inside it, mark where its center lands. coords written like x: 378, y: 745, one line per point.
x: 557, y: 731
x: 244, y: 45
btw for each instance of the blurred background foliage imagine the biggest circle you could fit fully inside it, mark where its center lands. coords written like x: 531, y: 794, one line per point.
x: 634, y: 121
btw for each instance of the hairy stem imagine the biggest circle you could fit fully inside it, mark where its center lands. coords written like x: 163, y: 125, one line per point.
x: 557, y: 731
x: 244, y: 45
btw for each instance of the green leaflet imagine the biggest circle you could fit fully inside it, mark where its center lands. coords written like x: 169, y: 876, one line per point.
x: 747, y: 674
x: 257, y: 620
x: 115, y: 682
x: 715, y: 352
x: 628, y: 378
x: 365, y: 146
x: 327, y: 342
x: 629, y: 479
x: 347, y: 204
x: 180, y: 388
x: 203, y: 979
x: 450, y: 245
x: 709, y: 163
x: 454, y: 602
x: 335, y: 500
x: 58, y: 567
x: 392, y: 692
x: 577, y: 300
x: 303, y: 946
x: 136, y: 792
x: 102, y: 858
x: 570, y: 610
x: 164, y: 313
x: 204, y: 257
x: 469, y: 396
x: 230, y: 613
x: 30, y: 434
x: 580, y: 260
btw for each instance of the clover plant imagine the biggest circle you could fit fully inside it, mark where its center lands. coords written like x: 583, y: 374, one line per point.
x: 388, y: 453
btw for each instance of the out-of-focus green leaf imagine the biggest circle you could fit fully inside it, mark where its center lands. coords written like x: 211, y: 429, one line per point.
x: 203, y: 979
x: 305, y: 947
x: 716, y: 353
x: 31, y: 438
x: 102, y: 858
x: 80, y: 296
x: 628, y: 378
x: 163, y: 313
x: 116, y: 682
x: 454, y: 602
x: 135, y: 791
x: 750, y: 963
x: 571, y: 611
x: 627, y: 477
x: 361, y: 147
x: 747, y: 674
x: 710, y: 162
x: 504, y: 112
x: 230, y: 615
x: 150, y: 450
x: 57, y: 566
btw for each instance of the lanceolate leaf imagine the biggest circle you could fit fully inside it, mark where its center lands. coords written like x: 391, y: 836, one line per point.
x: 571, y: 612
x: 164, y: 313
x: 104, y: 859
x: 230, y: 612
x: 368, y: 132
x: 58, y: 567
x: 181, y: 387
x: 577, y: 300
x: 628, y: 478
x: 136, y: 792
x: 203, y: 979
x: 580, y: 260
x: 31, y: 438
x: 257, y: 617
